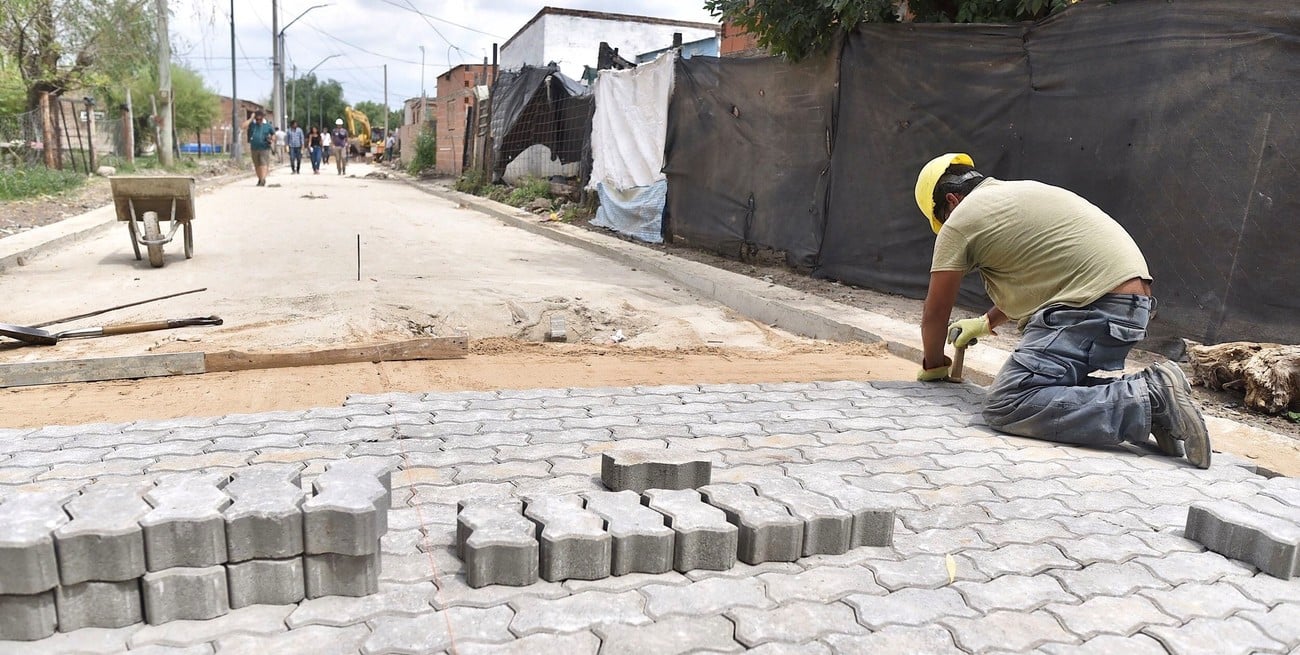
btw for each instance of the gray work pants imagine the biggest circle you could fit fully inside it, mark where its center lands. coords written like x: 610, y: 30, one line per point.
x: 1044, y: 390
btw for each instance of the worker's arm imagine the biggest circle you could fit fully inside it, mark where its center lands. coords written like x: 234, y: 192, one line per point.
x: 939, y: 301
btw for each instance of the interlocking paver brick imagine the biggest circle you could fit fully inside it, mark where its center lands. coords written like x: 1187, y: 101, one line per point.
x: 312, y: 640
x: 629, y: 582
x: 1268, y: 542
x: 1022, y: 531
x: 828, y: 529
x: 27, y: 524
x: 910, y: 607
x: 389, y: 599
x: 761, y: 457
x: 1017, y: 632
x: 767, y: 530
x: 574, y: 643
x: 704, y: 539
x: 1233, y: 635
x: 1197, y: 600
x: 923, y: 571
x: 931, y: 640
x: 1109, y: 615
x: 349, y: 512
x: 1024, y: 559
x: 1107, y: 579
x: 266, y: 582
x: 497, y: 543
x: 821, y: 584
x: 204, y: 462
x: 682, y: 634
x: 261, y: 620
x: 185, y: 593
x: 152, y: 450
x: 264, y: 519
x: 558, y: 485
x: 99, y: 605
x: 704, y: 597
x: 185, y: 527
x: 582, y: 611
x: 938, y: 541
x: 1109, y: 645
x: 510, y: 470
x: 1282, y: 623
x: 1103, y: 548
x: 1180, y: 567
x: 1267, y: 589
x: 540, y: 451
x: 639, y: 470
x: 950, y: 516
x: 439, y: 630
x: 334, y: 574
x: 27, y: 617
x: 573, y: 540
x: 642, y: 542
x: 798, y: 621
x: 883, y: 482
x: 1014, y: 592
x: 103, y: 541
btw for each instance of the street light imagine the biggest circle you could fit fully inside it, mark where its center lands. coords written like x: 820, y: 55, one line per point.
x: 279, y: 44
x: 295, y: 87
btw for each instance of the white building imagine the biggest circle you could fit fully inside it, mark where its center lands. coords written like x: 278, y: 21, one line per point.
x: 571, y: 38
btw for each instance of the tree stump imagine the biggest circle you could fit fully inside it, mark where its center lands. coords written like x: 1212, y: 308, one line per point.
x: 1268, y: 373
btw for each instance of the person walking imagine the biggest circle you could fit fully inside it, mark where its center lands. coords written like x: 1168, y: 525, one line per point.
x: 295, y: 139
x: 261, y: 138
x: 1078, y: 286
x: 279, y: 144
x: 314, y: 146
x: 390, y: 145
x: 339, y: 142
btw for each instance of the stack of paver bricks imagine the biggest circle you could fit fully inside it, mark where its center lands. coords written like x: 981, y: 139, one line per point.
x: 191, y: 546
x: 661, y: 514
x: 1263, y: 530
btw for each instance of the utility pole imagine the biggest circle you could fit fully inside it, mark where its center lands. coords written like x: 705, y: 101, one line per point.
x: 386, y: 107
x: 293, y: 99
x: 235, y: 144
x: 275, y: 61
x: 128, y: 129
x: 165, y: 143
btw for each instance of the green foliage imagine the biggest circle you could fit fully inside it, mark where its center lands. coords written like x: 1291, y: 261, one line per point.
x: 497, y: 192
x: 426, y: 152
x: 528, y: 190
x: 18, y: 183
x: 13, y: 94
x: 797, y: 29
x: 314, y: 102
x: 376, y: 113
x: 472, y: 182
x: 1294, y: 417
x: 984, y: 11
x: 194, y: 106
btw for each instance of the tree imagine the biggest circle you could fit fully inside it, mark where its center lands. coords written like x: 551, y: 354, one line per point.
x: 194, y: 106
x: 796, y: 29
x: 62, y: 45
x: 13, y: 95
x: 377, y: 112
x: 315, y: 102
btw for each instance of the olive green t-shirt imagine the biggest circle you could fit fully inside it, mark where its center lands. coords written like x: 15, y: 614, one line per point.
x: 1036, y: 245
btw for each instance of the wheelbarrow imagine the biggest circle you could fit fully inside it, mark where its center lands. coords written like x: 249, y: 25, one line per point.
x: 144, y: 201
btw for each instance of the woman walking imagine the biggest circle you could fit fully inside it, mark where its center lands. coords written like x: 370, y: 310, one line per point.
x: 314, y: 146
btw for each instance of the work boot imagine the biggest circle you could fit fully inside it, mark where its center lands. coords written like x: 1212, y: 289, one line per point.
x: 1174, y: 416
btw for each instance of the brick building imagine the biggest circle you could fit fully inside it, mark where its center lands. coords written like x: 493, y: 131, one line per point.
x: 736, y: 42
x: 449, y: 108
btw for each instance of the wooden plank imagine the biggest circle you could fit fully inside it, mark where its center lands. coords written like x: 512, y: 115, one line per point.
x: 432, y: 348
x: 22, y: 374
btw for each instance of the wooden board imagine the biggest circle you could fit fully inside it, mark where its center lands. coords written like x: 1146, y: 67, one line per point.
x: 432, y: 348
x: 22, y: 374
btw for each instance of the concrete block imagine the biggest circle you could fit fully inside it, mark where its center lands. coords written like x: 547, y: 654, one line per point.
x: 103, y: 541
x: 574, y: 543
x: 557, y: 332
x: 266, y: 582
x: 332, y: 574
x: 496, y: 542
x: 264, y: 519
x: 28, y: 564
x: 642, y: 542
x: 873, y: 513
x: 1270, y: 543
x: 27, y: 617
x: 99, y: 605
x: 194, y: 593
x: 703, y: 538
x: 828, y: 529
x: 185, y: 527
x: 768, y: 531
x: 349, y: 512
x: 638, y: 470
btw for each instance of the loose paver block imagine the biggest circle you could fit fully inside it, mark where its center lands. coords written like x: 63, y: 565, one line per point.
x: 264, y: 519
x: 496, y: 542
x: 704, y: 538
x: 767, y: 530
x: 27, y: 617
x: 266, y: 582
x: 828, y: 530
x: 27, y: 524
x: 557, y: 332
x: 185, y: 527
x: 349, y: 512
x: 1270, y: 543
x: 332, y: 574
x: 574, y: 543
x: 99, y: 605
x: 873, y: 513
x: 638, y: 470
x: 103, y: 541
x: 195, y: 593
x: 642, y: 543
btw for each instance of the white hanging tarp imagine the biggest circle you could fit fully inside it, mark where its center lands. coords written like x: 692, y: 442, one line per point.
x: 630, y: 125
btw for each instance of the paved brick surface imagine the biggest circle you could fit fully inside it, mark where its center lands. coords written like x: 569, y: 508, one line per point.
x: 995, y: 544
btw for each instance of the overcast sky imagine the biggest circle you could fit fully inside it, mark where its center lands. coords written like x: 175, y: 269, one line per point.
x: 366, y: 34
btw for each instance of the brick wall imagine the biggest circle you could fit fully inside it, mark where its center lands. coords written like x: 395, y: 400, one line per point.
x: 455, y: 96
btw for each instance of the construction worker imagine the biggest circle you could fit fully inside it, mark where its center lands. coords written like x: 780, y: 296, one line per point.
x: 339, y: 142
x: 1078, y: 287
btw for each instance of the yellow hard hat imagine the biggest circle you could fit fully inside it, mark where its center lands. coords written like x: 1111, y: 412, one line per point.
x: 929, y: 178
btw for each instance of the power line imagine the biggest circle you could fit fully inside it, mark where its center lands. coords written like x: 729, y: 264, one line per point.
x: 442, y: 20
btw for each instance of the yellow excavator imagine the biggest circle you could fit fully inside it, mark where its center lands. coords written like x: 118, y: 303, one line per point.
x: 362, y: 139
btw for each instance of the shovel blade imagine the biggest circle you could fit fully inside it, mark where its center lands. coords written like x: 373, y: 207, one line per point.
x: 28, y: 335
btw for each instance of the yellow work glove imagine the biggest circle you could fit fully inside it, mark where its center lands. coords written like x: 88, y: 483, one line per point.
x: 968, y: 330
x: 936, y: 374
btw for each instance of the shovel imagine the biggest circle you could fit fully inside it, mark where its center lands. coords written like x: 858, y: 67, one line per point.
x: 47, y: 338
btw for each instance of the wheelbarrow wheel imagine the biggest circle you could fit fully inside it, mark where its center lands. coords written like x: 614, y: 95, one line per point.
x: 153, y: 233
x: 135, y: 237
x: 189, y: 239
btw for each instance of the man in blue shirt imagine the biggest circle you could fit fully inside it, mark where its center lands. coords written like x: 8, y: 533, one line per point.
x: 261, y: 136
x: 295, y: 139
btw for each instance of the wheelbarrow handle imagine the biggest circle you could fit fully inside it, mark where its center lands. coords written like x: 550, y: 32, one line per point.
x: 132, y: 328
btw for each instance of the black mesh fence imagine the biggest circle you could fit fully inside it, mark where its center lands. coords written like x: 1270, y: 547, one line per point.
x: 541, y: 126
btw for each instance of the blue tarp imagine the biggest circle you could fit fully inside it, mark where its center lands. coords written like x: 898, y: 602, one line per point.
x: 637, y: 212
